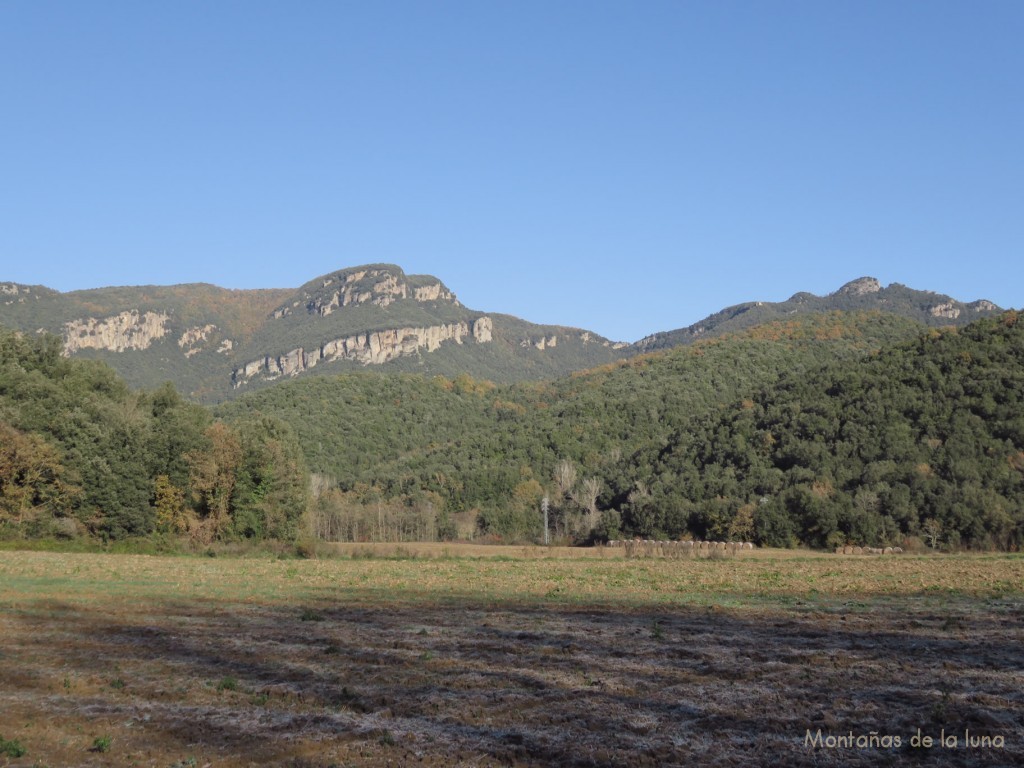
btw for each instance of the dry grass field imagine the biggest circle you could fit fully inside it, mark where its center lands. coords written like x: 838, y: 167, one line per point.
x: 450, y: 655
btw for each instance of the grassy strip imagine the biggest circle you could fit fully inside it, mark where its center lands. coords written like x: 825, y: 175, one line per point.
x: 91, y: 577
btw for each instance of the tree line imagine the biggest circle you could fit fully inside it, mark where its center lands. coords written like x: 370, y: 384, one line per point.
x: 860, y: 428
x: 82, y: 454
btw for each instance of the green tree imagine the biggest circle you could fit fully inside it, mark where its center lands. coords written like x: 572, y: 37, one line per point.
x: 272, y: 491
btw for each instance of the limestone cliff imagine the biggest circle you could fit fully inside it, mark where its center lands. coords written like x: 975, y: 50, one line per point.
x: 482, y: 329
x: 370, y: 348
x: 118, y: 333
x: 192, y: 340
x: 379, y: 286
x: 434, y: 292
x: 946, y: 309
x: 204, y: 338
x: 542, y: 343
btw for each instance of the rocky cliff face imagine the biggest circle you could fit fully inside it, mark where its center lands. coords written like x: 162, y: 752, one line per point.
x: 371, y: 348
x: 542, y: 343
x: 946, y: 309
x: 118, y: 333
x: 378, y: 286
x: 198, y: 339
x: 435, y: 292
x: 482, y: 329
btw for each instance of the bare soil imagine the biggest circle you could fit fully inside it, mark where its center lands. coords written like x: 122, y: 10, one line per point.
x: 341, y: 681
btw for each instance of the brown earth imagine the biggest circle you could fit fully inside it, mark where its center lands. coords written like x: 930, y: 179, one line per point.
x: 344, y: 680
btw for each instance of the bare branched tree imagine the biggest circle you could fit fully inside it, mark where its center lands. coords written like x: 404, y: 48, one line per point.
x: 565, y: 478
x: 640, y: 492
x: 932, y: 530
x: 586, y: 497
x: 319, y: 484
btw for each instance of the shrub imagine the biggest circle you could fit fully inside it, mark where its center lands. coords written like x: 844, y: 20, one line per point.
x: 11, y: 748
x: 227, y: 684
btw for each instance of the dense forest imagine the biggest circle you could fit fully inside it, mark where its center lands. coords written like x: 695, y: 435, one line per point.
x: 82, y: 454
x: 821, y: 430
x: 924, y: 438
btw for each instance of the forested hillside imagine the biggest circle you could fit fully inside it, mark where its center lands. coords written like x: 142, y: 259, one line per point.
x: 469, y: 448
x: 924, y: 438
x: 82, y: 454
x: 864, y: 294
x: 821, y: 430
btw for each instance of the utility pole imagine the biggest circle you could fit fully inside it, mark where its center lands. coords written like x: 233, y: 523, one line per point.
x: 544, y: 508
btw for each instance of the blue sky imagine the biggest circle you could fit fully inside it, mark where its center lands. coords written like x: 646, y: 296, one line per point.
x: 625, y: 167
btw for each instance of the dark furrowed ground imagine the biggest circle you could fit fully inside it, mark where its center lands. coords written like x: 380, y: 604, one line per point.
x: 468, y: 682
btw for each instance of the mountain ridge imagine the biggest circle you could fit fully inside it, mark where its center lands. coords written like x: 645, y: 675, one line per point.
x: 210, y: 341
x: 863, y: 293
x: 214, y: 342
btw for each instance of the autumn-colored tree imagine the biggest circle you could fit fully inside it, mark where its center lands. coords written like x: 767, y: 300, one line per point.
x: 172, y: 514
x: 742, y: 526
x: 31, y: 478
x: 212, y: 476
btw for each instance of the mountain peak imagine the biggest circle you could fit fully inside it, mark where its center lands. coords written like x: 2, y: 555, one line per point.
x: 859, y: 287
x: 377, y: 284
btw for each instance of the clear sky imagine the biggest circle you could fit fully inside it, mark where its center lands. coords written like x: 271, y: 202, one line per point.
x: 625, y: 167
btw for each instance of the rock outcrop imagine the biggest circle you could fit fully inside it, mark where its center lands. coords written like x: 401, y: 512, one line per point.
x: 370, y: 348
x: 18, y: 292
x: 435, y: 292
x: 859, y: 287
x: 351, y: 292
x: 544, y: 342
x: 118, y: 333
x: 379, y: 287
x: 191, y: 341
x: 947, y: 310
x: 482, y: 328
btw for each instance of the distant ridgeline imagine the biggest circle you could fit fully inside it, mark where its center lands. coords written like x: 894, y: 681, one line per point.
x: 863, y: 294
x: 211, y: 342
x: 820, y: 424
